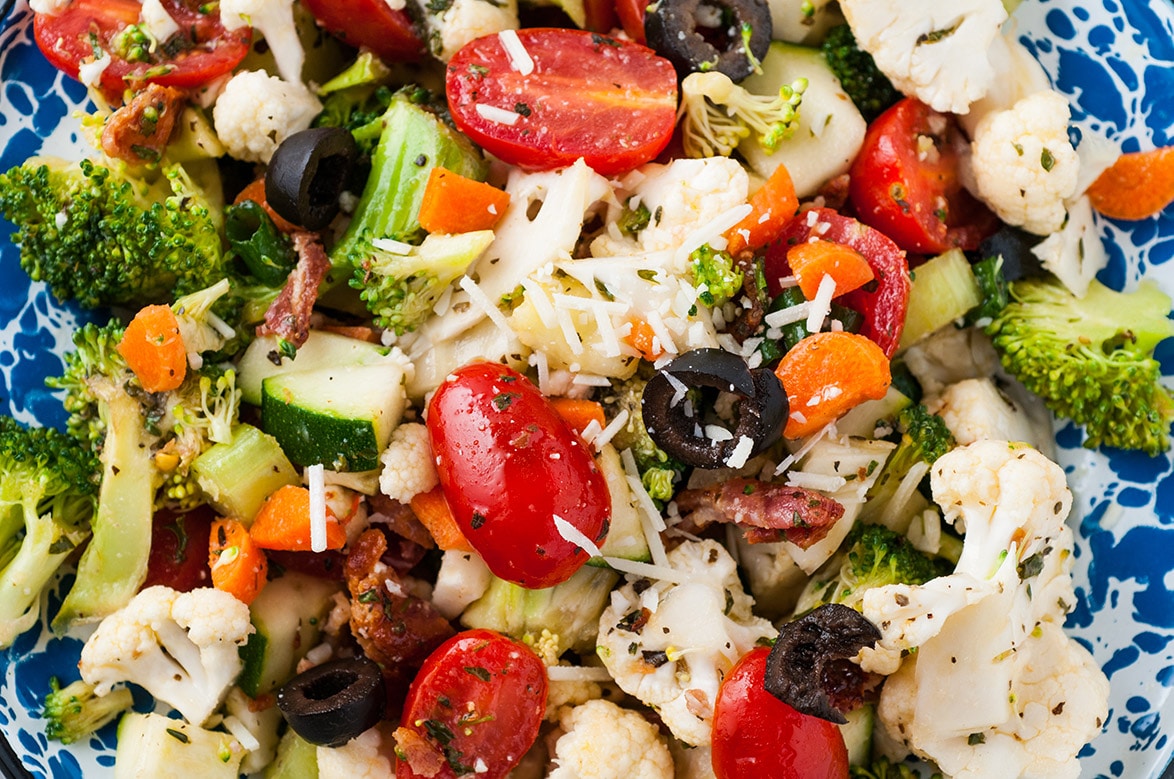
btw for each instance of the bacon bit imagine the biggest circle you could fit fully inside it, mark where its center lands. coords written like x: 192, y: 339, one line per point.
x: 749, y: 319
x: 766, y: 512
x: 140, y: 131
x: 358, y: 332
x: 399, y: 518
x: 423, y: 758
x: 835, y: 192
x: 697, y: 702
x: 289, y: 315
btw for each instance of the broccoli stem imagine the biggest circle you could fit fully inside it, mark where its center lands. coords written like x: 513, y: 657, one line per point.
x: 45, y: 546
x: 74, y: 712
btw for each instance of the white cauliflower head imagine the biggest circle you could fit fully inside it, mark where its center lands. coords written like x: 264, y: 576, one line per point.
x: 465, y: 20
x: 256, y: 112
x: 409, y: 467
x: 934, y: 51
x: 180, y: 647
x: 367, y: 756
x: 600, y: 740
x: 1025, y: 166
x: 670, y: 644
x: 274, y: 19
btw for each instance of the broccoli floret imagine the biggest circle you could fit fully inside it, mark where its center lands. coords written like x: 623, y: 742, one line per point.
x: 870, y: 90
x: 356, y: 100
x: 719, y: 114
x: 924, y: 438
x: 992, y: 285
x: 48, y: 482
x: 659, y: 472
x: 715, y: 270
x: 102, y: 237
x: 883, y: 768
x: 876, y: 557
x: 74, y: 712
x: 1091, y: 359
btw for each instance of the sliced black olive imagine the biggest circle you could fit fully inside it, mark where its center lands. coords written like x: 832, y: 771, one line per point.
x: 1014, y: 245
x: 729, y: 36
x: 334, y: 702
x: 676, y: 425
x: 254, y: 238
x: 308, y: 172
x: 809, y: 667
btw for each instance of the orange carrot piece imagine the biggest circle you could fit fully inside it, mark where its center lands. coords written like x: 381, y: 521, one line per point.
x: 579, y: 412
x: 432, y: 510
x: 256, y: 192
x: 771, y: 207
x: 153, y: 349
x: 239, y: 566
x: 642, y: 338
x: 826, y: 374
x: 283, y: 522
x: 812, y: 260
x: 1136, y: 186
x: 454, y: 204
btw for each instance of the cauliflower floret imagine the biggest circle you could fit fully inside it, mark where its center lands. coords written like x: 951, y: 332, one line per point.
x: 464, y: 20
x: 1024, y: 165
x: 935, y: 51
x: 463, y: 578
x: 158, y: 22
x: 977, y: 410
x: 256, y: 112
x: 670, y: 644
x: 367, y: 756
x: 601, y: 740
x: 1075, y: 253
x: 180, y: 647
x: 408, y: 464
x: 274, y: 19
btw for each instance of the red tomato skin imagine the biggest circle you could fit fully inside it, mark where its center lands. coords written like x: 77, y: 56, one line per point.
x: 509, y: 464
x: 64, y: 39
x: 611, y: 102
x: 631, y: 15
x: 903, y: 191
x: 370, y: 23
x: 756, y: 735
x: 514, y: 696
x: 883, y: 306
x: 179, y: 549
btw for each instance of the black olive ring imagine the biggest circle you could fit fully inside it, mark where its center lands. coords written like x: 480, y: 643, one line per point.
x: 674, y: 29
x: 332, y: 703
x: 308, y: 173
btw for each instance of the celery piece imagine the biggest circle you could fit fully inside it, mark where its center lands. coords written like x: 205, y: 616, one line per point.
x: 943, y: 290
x: 238, y: 476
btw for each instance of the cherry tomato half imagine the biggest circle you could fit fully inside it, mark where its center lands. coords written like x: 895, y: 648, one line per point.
x: 631, y: 15
x: 179, y: 549
x: 201, y: 51
x: 756, y: 735
x: 905, y: 182
x: 372, y: 24
x: 883, y: 301
x: 509, y: 465
x: 612, y: 102
x: 478, y: 700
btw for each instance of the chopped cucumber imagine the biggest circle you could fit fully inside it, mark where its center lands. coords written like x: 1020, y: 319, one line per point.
x: 943, y: 290
x: 862, y: 420
x: 296, y: 759
x: 341, y: 417
x: 830, y: 131
x: 264, y: 358
x: 152, y: 745
x: 625, y: 536
x: 239, y: 475
x: 857, y: 733
x: 288, y: 615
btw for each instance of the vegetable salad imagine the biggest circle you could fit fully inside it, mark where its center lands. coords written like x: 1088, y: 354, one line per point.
x: 578, y: 390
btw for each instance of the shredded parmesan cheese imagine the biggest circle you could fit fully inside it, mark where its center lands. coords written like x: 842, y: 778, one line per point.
x: 520, y: 59
x: 821, y: 304
x: 316, y: 481
x: 492, y: 113
x: 577, y: 673
x: 575, y: 536
x: 391, y: 245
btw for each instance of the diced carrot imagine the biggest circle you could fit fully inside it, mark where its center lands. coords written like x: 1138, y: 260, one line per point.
x: 283, y: 522
x: 452, y: 203
x: 432, y: 510
x: 771, y: 207
x: 239, y: 566
x: 153, y: 349
x: 826, y: 374
x: 579, y: 412
x: 1136, y: 186
x: 642, y: 338
x: 810, y: 261
x: 256, y: 192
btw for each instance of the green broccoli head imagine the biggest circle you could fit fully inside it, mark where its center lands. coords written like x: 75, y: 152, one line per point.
x: 924, y: 438
x: 93, y: 365
x: 102, y: 237
x: 73, y: 712
x: 719, y: 114
x: 883, y: 768
x: 716, y: 271
x: 870, y: 90
x: 1091, y: 359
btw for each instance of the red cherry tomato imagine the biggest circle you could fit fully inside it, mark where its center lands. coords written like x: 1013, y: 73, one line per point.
x: 631, y: 14
x: 905, y: 182
x: 372, y: 24
x: 202, y: 51
x: 479, y: 701
x: 612, y: 102
x: 509, y: 465
x: 179, y: 549
x: 756, y: 735
x: 884, y: 301
x: 600, y: 15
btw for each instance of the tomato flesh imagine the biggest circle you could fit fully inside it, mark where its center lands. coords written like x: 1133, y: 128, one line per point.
x: 611, y: 102
x: 756, y: 735
x: 508, y: 465
x: 884, y: 301
x: 905, y: 182
x: 371, y: 24
x: 478, y: 700
x: 202, y: 51
x: 179, y: 549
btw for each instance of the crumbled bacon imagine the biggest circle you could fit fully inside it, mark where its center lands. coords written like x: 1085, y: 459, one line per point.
x: 399, y: 518
x: 139, y: 131
x: 765, y: 511
x: 289, y: 315
x: 423, y: 758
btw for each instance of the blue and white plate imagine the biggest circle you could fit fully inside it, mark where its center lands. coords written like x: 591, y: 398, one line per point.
x: 1115, y: 61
